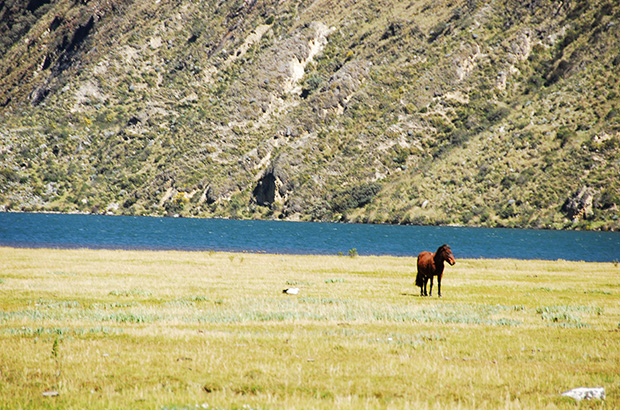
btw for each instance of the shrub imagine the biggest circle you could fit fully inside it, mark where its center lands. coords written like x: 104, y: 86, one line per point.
x: 609, y: 198
x: 311, y: 83
x: 10, y: 175
x: 354, y: 196
x: 564, y: 135
x: 495, y: 114
x: 401, y: 155
x: 507, y: 211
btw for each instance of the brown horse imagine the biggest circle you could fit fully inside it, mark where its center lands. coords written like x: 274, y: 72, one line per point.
x: 431, y: 264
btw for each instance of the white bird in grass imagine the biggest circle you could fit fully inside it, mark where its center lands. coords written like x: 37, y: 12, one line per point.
x: 291, y: 291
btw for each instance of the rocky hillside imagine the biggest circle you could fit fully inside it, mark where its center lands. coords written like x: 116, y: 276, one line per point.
x: 501, y: 113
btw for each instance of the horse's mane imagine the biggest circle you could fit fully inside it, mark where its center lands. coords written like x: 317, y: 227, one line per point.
x: 443, y: 247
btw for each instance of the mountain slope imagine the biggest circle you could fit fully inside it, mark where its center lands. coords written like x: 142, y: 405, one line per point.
x: 426, y: 112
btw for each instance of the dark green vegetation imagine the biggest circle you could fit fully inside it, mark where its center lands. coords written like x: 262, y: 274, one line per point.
x: 426, y: 112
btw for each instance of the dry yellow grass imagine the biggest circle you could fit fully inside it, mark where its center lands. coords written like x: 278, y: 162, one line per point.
x: 180, y: 330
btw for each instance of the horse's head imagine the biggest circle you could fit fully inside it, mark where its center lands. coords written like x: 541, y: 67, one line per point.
x: 446, y: 254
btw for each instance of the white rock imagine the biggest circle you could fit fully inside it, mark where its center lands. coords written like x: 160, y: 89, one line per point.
x: 50, y: 393
x: 587, y: 393
x: 291, y: 291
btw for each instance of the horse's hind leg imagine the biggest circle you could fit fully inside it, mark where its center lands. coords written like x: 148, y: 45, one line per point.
x: 430, y: 292
x: 423, y: 290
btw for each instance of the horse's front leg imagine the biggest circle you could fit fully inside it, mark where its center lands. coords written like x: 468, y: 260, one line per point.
x: 439, y: 285
x: 430, y: 292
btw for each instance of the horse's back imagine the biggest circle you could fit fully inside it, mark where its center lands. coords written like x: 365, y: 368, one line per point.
x: 424, y: 254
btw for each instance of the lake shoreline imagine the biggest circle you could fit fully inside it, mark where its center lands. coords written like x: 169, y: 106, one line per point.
x: 177, y: 216
x: 50, y: 230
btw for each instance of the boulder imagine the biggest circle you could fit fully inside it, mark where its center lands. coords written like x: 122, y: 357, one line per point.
x: 587, y: 393
x: 210, y: 195
x: 579, y: 205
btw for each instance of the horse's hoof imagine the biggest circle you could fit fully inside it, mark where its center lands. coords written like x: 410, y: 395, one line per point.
x: 439, y: 295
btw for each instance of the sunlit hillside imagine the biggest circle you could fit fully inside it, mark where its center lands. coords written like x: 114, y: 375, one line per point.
x: 502, y: 113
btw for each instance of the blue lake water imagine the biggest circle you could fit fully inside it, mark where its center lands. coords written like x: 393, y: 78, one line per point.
x: 127, y: 232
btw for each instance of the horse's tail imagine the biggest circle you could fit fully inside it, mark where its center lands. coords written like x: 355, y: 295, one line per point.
x: 419, y: 280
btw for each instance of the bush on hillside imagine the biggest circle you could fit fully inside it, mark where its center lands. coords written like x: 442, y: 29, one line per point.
x: 354, y: 196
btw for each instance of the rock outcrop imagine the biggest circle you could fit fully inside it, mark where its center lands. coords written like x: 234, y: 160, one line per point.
x: 273, y: 186
x: 580, y: 204
x: 587, y: 393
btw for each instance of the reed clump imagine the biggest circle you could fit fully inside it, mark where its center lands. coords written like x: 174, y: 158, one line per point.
x: 179, y: 330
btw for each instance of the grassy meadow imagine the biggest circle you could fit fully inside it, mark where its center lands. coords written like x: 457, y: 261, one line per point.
x: 184, y: 330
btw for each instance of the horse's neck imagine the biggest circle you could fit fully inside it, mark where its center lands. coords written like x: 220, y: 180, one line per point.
x: 438, y: 262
